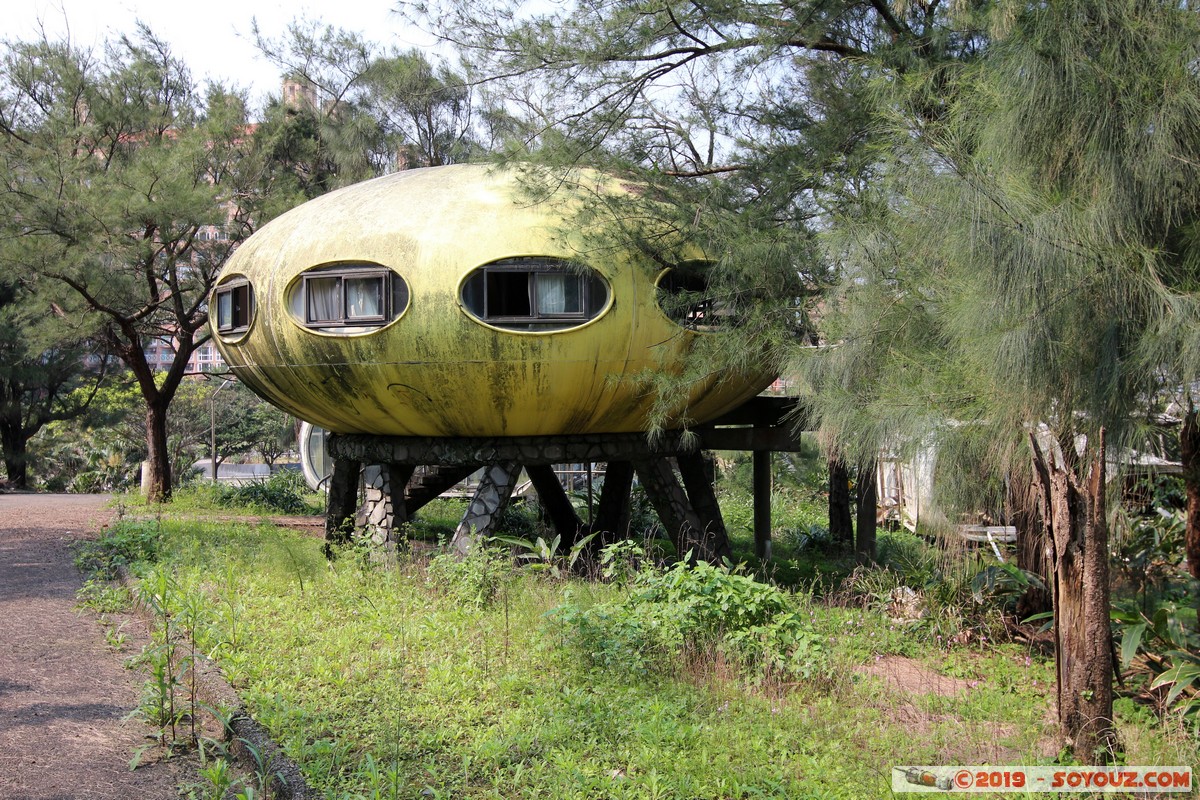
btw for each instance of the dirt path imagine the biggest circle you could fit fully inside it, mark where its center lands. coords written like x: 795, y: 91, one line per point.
x: 63, y: 693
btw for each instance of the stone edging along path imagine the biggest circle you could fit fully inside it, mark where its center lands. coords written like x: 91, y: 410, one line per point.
x: 66, y: 697
x: 249, y: 742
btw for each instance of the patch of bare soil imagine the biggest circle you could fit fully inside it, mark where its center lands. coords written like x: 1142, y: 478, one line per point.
x: 64, y: 694
x: 959, y: 741
x: 911, y: 677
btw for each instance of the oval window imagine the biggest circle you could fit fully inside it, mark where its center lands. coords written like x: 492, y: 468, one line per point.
x: 534, y: 294
x: 232, y: 306
x: 685, y: 296
x: 347, y: 297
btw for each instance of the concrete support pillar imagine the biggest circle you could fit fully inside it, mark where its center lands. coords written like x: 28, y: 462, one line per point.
x: 555, y: 503
x: 343, y: 501
x: 675, y: 510
x: 430, y: 484
x: 382, y: 514
x: 490, y: 498
x: 612, y: 512
x: 762, y: 504
x: 699, y: 472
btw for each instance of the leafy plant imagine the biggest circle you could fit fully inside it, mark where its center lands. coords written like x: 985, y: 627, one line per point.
x: 1006, y: 583
x: 284, y: 492
x: 125, y: 545
x: 1150, y: 557
x: 622, y: 560
x: 1161, y: 651
x: 474, y: 579
x: 689, y: 611
x: 544, y: 555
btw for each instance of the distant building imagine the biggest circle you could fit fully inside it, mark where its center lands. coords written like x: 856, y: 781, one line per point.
x: 161, y: 352
x: 299, y: 93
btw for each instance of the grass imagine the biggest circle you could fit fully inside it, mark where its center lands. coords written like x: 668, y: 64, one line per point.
x: 284, y: 492
x: 397, y: 681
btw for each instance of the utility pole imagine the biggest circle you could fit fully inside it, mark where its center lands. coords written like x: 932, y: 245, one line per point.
x: 212, y: 407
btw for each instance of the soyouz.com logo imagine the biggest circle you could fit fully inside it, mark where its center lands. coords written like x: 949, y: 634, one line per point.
x: 1041, y: 779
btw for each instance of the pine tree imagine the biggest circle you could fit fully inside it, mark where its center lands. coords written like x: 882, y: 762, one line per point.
x: 136, y: 188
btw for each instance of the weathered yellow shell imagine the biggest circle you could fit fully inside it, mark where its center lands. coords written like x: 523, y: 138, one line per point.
x: 436, y: 370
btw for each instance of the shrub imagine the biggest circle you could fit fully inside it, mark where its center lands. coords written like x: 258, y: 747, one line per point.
x: 126, y: 544
x: 475, y: 579
x: 689, y: 612
x: 283, y: 492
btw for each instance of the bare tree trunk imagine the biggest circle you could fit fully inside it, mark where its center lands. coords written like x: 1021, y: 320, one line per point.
x: 841, y: 524
x: 864, y: 543
x: 1077, y: 527
x: 16, y: 461
x: 159, y: 473
x: 1034, y: 554
x: 1189, y: 441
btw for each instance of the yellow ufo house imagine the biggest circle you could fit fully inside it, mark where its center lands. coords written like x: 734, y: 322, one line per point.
x: 442, y: 302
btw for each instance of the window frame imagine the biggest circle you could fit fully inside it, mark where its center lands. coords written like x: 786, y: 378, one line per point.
x: 533, y: 268
x: 346, y: 319
x: 705, y: 313
x: 231, y: 289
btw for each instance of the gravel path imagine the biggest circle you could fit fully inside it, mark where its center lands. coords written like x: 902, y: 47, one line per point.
x: 64, y: 694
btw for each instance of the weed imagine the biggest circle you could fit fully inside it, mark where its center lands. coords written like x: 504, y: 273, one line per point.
x: 103, y: 597
x: 474, y: 579
x: 546, y: 555
x: 621, y: 561
x: 697, y: 610
x: 285, y: 492
x: 387, y: 682
x: 128, y: 544
x: 114, y: 637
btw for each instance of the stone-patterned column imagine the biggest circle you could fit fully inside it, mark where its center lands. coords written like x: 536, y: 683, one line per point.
x: 343, y: 499
x: 383, y: 512
x: 490, y: 498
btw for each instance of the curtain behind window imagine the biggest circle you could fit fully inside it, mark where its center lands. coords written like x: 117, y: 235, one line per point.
x: 557, y: 293
x: 224, y: 310
x: 324, y: 299
x: 364, y: 297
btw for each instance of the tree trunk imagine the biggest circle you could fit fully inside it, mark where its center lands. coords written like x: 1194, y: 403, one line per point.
x: 841, y: 524
x: 16, y: 464
x: 868, y: 501
x: 1077, y: 527
x: 1034, y: 554
x: 158, y: 475
x: 1189, y: 441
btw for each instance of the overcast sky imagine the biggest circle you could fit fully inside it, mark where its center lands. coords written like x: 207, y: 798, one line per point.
x: 211, y: 36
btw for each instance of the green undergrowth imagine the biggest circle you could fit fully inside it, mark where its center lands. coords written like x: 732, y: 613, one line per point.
x: 475, y: 679
x: 284, y: 492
